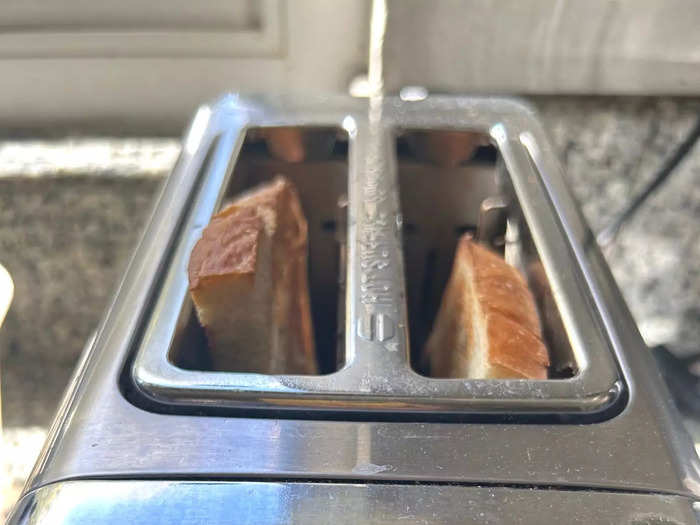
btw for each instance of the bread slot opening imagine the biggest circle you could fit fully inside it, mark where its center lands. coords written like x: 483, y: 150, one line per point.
x: 454, y: 187
x: 314, y: 162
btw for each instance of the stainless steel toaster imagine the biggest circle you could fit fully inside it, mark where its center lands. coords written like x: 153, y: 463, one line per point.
x: 148, y: 432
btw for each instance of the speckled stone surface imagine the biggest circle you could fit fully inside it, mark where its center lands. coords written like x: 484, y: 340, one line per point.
x: 610, y: 148
x: 65, y: 242
x: 71, y: 212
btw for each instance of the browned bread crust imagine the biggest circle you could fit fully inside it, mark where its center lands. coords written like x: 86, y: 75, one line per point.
x: 487, y: 325
x: 248, y: 281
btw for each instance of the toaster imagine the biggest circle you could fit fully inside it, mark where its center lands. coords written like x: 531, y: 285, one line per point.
x: 149, y: 432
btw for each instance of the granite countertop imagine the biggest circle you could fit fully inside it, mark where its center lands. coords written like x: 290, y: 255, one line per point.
x: 610, y: 149
x: 71, y: 211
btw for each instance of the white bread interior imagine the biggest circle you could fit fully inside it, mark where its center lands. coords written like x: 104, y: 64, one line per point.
x: 248, y: 281
x: 487, y: 325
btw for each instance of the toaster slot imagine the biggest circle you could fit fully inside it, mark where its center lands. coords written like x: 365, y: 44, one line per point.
x: 454, y: 184
x: 386, y: 200
x: 315, y: 161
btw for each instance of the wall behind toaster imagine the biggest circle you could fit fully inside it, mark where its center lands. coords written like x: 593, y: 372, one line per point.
x: 147, y: 65
x: 126, y: 64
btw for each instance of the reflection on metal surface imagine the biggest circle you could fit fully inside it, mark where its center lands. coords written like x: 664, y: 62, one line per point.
x: 197, y: 130
x: 270, y: 503
x: 413, y: 93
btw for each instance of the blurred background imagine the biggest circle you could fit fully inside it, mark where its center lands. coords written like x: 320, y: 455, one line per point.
x: 94, y: 97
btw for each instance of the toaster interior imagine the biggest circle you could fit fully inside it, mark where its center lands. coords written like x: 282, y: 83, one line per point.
x: 473, y: 196
x: 321, y: 181
x: 439, y: 204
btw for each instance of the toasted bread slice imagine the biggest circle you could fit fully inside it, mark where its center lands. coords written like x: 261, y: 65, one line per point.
x: 487, y: 325
x: 248, y: 281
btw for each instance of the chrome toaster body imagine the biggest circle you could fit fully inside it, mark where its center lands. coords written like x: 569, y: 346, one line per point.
x: 138, y: 410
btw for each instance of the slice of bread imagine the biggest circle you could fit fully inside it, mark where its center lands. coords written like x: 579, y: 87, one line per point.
x: 248, y: 281
x: 487, y: 325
